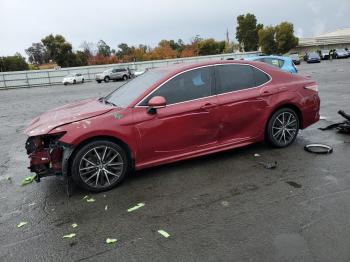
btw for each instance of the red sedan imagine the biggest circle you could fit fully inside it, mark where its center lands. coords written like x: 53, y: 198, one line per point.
x: 170, y: 114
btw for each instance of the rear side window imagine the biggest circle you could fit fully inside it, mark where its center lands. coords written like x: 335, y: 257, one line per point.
x: 260, y: 77
x: 187, y: 86
x: 231, y: 78
x: 274, y: 62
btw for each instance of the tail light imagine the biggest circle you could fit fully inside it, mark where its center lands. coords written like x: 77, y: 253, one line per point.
x: 313, y: 87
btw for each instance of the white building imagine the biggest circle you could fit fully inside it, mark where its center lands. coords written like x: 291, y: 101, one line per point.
x: 332, y: 40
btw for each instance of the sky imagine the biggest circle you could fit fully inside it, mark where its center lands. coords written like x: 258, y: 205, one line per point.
x: 23, y: 22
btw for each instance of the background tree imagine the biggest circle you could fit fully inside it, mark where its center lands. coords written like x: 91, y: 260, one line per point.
x: 103, y: 49
x: 285, y: 38
x: 247, y: 32
x: 37, y: 54
x: 210, y: 47
x: 267, y: 40
x: 124, y: 50
x: 59, y: 50
x: 88, y: 48
x: 13, y: 63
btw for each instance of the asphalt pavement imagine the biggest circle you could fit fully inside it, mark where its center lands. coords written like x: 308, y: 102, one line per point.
x: 221, y: 207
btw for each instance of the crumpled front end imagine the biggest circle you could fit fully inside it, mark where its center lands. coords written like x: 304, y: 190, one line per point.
x: 47, y: 155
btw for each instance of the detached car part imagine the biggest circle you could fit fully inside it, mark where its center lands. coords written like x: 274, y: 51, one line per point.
x: 343, y: 127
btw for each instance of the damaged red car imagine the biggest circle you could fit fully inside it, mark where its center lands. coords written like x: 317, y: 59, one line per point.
x: 170, y: 114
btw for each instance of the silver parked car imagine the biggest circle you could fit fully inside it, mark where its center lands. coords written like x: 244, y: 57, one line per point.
x: 113, y: 74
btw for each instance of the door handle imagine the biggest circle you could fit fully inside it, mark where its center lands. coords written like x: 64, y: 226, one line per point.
x: 208, y: 106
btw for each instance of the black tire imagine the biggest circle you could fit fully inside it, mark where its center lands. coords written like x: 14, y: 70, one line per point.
x: 106, y: 79
x: 74, y: 82
x: 99, y: 81
x: 282, y: 135
x: 82, y: 170
x: 125, y: 77
x: 82, y: 81
x: 65, y: 83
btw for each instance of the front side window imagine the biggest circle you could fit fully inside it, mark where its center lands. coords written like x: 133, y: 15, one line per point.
x: 187, y: 86
x: 231, y: 78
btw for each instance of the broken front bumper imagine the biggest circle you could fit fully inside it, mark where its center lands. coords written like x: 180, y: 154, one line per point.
x: 48, y: 156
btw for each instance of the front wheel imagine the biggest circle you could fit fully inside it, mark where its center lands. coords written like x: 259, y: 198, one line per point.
x: 106, y: 79
x: 283, y: 127
x: 125, y: 77
x: 82, y: 81
x: 99, y: 165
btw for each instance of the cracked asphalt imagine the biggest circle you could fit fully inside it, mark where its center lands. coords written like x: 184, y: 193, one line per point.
x: 222, y: 207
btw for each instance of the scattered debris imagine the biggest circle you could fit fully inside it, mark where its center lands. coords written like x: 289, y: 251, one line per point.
x: 106, y: 207
x: 343, y: 127
x: 257, y: 155
x: 294, y: 184
x: 69, y: 235
x: 21, y: 224
x: 139, y: 205
x: 269, y: 165
x: 163, y: 233
x: 72, y: 244
x: 31, y: 204
x: 28, y: 180
x: 225, y: 203
x: 323, y: 118
x: 318, y: 149
x: 74, y: 225
x: 90, y: 200
x: 85, y: 197
x: 111, y: 240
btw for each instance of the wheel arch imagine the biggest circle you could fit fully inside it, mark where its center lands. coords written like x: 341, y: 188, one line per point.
x: 113, y: 139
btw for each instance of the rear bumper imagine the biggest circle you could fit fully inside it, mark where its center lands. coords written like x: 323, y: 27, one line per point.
x: 311, y: 113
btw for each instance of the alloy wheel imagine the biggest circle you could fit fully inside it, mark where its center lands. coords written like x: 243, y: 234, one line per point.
x: 101, y: 167
x: 284, y: 128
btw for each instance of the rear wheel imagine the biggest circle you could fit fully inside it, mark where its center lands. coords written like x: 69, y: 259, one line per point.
x: 74, y: 82
x: 82, y: 80
x: 99, y: 165
x: 283, y: 127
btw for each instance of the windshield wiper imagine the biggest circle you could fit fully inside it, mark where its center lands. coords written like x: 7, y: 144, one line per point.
x: 105, y: 101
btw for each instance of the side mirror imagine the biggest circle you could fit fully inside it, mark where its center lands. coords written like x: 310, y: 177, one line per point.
x: 155, y: 103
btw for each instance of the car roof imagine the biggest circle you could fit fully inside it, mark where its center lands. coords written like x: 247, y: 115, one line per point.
x: 252, y: 58
x: 176, y: 68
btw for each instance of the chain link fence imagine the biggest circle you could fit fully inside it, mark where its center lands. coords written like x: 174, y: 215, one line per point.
x: 32, y: 78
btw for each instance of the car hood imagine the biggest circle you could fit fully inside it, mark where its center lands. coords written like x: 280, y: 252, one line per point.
x: 66, y: 114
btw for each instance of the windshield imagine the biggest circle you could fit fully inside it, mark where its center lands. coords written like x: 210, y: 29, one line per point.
x: 294, y: 56
x: 314, y: 55
x: 107, y: 71
x: 70, y: 75
x: 131, y: 90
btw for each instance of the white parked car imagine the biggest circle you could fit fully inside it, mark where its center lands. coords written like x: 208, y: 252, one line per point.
x: 73, y: 79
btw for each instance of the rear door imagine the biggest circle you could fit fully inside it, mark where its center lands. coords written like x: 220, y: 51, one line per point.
x: 189, y: 121
x: 240, y: 105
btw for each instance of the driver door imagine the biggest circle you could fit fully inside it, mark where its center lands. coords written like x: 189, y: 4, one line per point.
x: 188, y: 123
